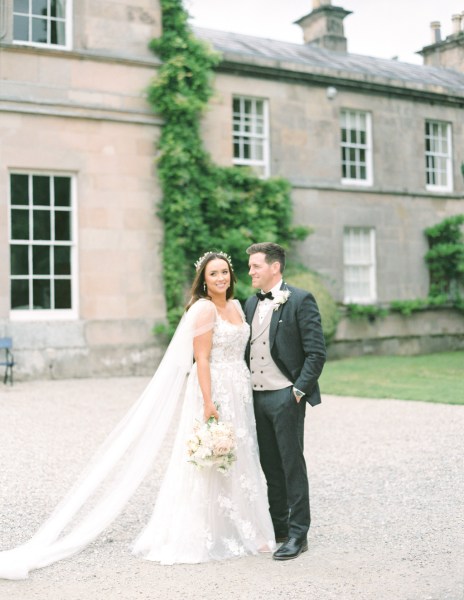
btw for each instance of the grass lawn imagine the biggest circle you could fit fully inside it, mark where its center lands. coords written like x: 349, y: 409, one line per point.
x: 430, y: 377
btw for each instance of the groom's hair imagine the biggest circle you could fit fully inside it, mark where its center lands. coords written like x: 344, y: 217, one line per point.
x: 272, y: 252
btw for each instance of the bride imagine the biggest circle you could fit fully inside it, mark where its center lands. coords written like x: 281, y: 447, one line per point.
x: 199, y: 515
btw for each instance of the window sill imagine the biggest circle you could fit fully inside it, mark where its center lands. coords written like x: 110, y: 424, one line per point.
x: 357, y: 182
x: 43, y: 315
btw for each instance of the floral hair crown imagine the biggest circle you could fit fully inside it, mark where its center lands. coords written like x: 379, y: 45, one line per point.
x: 199, y: 262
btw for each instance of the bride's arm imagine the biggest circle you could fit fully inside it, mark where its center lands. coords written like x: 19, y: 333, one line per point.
x: 201, y: 350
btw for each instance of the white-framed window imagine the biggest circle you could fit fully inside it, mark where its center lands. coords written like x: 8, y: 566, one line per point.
x: 359, y: 265
x: 356, y: 147
x: 251, y: 133
x: 438, y: 156
x: 42, y: 22
x: 43, y: 269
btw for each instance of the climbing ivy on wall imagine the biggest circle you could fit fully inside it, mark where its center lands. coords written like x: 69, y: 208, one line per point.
x: 445, y: 258
x: 204, y: 206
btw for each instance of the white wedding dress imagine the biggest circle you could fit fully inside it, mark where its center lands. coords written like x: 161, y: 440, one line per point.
x: 199, y: 515
x: 202, y: 515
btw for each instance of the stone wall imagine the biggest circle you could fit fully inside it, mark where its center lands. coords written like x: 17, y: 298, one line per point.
x: 82, y: 112
x: 424, y: 332
x: 305, y: 148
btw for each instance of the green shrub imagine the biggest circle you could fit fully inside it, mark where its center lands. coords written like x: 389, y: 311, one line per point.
x: 371, y: 311
x: 445, y: 258
x: 312, y: 282
x: 204, y: 206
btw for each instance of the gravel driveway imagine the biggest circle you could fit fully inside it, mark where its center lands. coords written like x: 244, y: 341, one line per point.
x: 387, y: 490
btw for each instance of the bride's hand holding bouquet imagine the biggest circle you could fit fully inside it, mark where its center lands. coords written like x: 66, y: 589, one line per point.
x: 210, y: 411
x: 212, y: 444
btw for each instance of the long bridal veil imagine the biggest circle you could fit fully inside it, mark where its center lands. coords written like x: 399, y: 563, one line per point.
x: 121, y: 463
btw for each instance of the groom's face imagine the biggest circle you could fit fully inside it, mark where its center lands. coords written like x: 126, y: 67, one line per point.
x: 264, y: 276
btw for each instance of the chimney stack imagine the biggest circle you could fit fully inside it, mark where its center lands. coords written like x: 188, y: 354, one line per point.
x: 447, y: 53
x: 319, y: 3
x: 435, y: 27
x: 323, y: 26
x: 456, y: 20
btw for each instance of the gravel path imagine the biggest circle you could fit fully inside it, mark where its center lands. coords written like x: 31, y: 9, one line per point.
x: 387, y: 489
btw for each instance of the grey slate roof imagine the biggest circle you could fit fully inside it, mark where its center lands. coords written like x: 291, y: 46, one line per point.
x: 243, y: 48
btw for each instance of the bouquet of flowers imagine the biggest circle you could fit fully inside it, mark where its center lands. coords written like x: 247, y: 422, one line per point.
x: 212, y: 444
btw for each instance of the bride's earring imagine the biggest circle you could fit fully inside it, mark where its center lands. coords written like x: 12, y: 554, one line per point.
x: 204, y: 286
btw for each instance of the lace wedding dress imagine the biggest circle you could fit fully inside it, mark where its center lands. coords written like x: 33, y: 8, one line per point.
x: 202, y: 515
x: 199, y: 515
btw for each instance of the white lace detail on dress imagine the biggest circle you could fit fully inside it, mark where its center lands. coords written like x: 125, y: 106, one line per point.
x: 204, y: 515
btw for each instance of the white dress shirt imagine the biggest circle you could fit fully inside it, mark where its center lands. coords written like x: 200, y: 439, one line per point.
x: 265, y: 305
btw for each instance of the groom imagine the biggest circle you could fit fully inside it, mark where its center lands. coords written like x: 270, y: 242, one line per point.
x: 286, y: 355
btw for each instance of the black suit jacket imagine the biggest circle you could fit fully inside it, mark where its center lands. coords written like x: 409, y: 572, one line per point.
x: 296, y: 340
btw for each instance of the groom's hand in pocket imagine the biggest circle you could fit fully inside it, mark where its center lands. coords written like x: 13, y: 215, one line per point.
x: 298, y: 394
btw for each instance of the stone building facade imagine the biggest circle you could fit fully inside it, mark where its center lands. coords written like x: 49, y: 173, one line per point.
x: 80, y: 269
x: 373, y: 149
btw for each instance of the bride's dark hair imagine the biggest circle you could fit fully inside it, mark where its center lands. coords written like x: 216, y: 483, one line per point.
x: 198, y: 286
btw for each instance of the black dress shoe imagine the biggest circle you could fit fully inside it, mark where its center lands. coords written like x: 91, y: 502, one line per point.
x: 281, y: 539
x: 291, y: 549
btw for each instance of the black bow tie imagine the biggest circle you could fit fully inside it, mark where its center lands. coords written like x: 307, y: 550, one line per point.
x: 262, y: 296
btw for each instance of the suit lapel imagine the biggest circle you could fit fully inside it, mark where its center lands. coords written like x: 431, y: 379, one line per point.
x: 276, y: 318
x: 250, y: 309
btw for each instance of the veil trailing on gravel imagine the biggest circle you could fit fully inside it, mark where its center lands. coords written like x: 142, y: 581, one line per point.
x: 121, y: 463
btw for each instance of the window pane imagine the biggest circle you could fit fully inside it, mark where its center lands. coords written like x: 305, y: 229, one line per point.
x: 41, y: 190
x: 19, y: 224
x: 39, y: 31
x: 62, y: 191
x: 58, y: 8
x: 41, y: 260
x: 21, y: 6
x: 258, y: 151
x: 41, y: 294
x: 57, y: 33
x: 20, y: 294
x: 19, y: 190
x: 62, y: 260
x: 19, y: 261
x: 20, y: 28
x: 63, y: 226
x: 62, y: 293
x: 41, y: 225
x: 39, y: 7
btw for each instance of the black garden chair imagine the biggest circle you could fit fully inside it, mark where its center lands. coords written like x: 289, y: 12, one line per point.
x: 6, y: 344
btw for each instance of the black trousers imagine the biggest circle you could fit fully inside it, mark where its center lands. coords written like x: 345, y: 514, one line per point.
x: 280, y: 428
